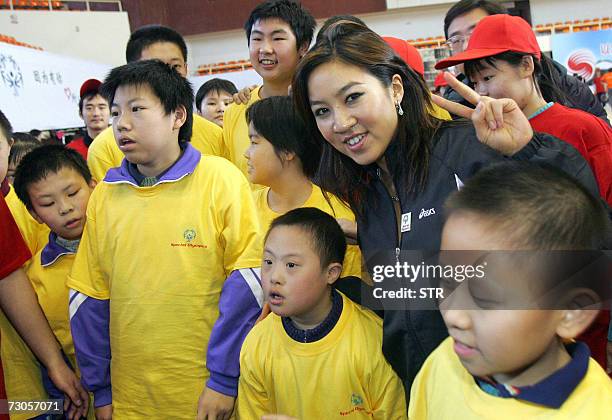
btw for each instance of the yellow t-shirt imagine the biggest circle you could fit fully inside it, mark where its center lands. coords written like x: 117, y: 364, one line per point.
x: 236, y: 132
x: 444, y: 389
x: 338, y: 209
x: 104, y: 153
x: 35, y: 235
x: 440, y: 113
x: 342, y: 375
x: 161, y: 255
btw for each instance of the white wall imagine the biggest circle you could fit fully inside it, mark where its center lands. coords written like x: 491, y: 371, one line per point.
x: 92, y: 36
x: 551, y: 11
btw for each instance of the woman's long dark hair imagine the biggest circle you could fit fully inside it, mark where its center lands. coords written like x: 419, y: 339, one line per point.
x: 545, y: 77
x: 355, y: 44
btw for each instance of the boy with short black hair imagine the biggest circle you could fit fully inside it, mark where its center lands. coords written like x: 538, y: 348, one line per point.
x: 510, y: 353
x: 278, y: 33
x: 54, y: 183
x: 168, y: 233
x: 313, y: 329
x: 213, y: 97
x: 165, y: 44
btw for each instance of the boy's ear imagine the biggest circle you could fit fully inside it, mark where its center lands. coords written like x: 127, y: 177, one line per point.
x: 180, y: 116
x: 287, y: 156
x: 333, y: 272
x: 92, y: 183
x: 35, y: 215
x: 582, y: 310
x: 303, y: 50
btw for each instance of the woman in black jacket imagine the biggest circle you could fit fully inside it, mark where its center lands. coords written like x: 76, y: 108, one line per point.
x: 395, y: 164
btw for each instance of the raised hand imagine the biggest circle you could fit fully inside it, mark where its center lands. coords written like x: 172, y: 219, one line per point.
x: 499, y: 123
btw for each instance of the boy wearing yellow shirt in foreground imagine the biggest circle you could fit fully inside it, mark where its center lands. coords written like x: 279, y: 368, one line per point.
x: 510, y: 353
x: 54, y: 184
x: 281, y: 158
x: 154, y: 316
x: 318, y: 355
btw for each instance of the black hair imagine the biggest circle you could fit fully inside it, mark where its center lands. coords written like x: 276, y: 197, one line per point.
x: 325, y: 233
x: 545, y: 77
x: 147, y: 35
x: 465, y: 6
x: 41, y: 162
x: 172, y: 89
x: 291, y: 12
x: 87, y: 95
x: 214, y: 85
x: 6, y: 127
x: 535, y: 206
x: 24, y: 144
x: 338, y: 18
x: 275, y: 119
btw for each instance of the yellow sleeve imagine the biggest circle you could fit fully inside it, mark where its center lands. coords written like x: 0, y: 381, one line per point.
x: 86, y: 275
x: 35, y: 235
x: 240, y: 232
x: 439, y: 113
x: 418, y: 395
x: 103, y: 154
x: 207, y: 136
x: 387, y: 391
x: 227, y: 133
x: 253, y: 401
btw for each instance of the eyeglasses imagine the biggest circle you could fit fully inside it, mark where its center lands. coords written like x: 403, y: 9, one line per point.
x: 457, y: 42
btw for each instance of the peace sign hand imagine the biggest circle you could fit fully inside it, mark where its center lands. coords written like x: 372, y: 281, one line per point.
x: 499, y: 123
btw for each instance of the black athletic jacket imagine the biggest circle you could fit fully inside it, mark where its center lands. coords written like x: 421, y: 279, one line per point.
x: 411, y: 335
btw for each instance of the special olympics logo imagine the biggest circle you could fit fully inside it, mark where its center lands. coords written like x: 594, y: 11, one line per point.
x: 582, y: 62
x: 10, y: 73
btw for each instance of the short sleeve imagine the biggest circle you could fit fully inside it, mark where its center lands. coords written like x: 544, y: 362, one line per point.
x: 13, y: 250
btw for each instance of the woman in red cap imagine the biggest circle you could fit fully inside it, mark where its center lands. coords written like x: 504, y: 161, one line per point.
x: 503, y: 59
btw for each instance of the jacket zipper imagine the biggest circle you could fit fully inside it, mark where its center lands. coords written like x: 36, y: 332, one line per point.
x: 397, y: 209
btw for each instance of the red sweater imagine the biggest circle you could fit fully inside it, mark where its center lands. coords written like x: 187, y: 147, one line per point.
x: 591, y: 136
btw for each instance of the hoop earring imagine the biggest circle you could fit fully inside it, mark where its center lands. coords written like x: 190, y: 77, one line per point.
x: 400, y: 111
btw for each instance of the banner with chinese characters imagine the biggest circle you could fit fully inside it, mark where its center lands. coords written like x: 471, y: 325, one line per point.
x: 40, y: 90
x: 583, y: 52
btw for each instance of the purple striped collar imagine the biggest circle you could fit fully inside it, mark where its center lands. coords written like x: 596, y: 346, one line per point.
x: 52, y: 251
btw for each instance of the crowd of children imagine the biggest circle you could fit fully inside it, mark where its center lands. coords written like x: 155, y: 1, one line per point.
x: 217, y: 264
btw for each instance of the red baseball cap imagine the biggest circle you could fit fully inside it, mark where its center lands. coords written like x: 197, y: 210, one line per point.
x: 89, y: 85
x: 440, y: 80
x: 407, y: 52
x: 494, y: 35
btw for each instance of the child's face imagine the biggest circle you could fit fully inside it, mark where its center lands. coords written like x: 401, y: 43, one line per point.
x: 488, y: 339
x: 59, y: 200
x: 273, y: 51
x: 167, y: 52
x: 143, y: 131
x: 95, y: 113
x: 294, y: 283
x: 504, y: 81
x: 263, y: 165
x: 213, y: 106
x: 5, y: 150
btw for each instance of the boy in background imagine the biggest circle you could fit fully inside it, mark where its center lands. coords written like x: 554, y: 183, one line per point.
x: 168, y: 233
x: 165, y: 44
x: 506, y: 356
x: 278, y: 34
x: 313, y: 329
x: 94, y: 111
x: 213, y: 97
x: 54, y: 184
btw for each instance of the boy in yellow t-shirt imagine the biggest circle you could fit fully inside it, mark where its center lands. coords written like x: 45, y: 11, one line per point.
x: 278, y: 35
x: 313, y: 331
x: 510, y: 353
x: 165, y: 44
x: 54, y: 184
x: 165, y: 273
x: 282, y: 159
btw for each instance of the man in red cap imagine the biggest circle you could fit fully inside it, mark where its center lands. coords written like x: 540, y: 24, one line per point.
x: 94, y: 111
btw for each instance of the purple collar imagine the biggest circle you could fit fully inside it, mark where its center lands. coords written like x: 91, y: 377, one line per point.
x: 184, y: 166
x: 552, y: 391
x: 52, y: 251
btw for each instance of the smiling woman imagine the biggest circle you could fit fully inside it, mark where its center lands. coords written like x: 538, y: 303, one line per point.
x: 385, y: 155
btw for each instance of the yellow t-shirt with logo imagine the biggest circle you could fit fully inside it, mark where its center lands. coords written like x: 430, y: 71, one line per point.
x: 161, y: 255
x: 335, y: 207
x: 103, y: 152
x: 236, y: 132
x: 35, y: 235
x: 342, y: 375
x: 444, y: 389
